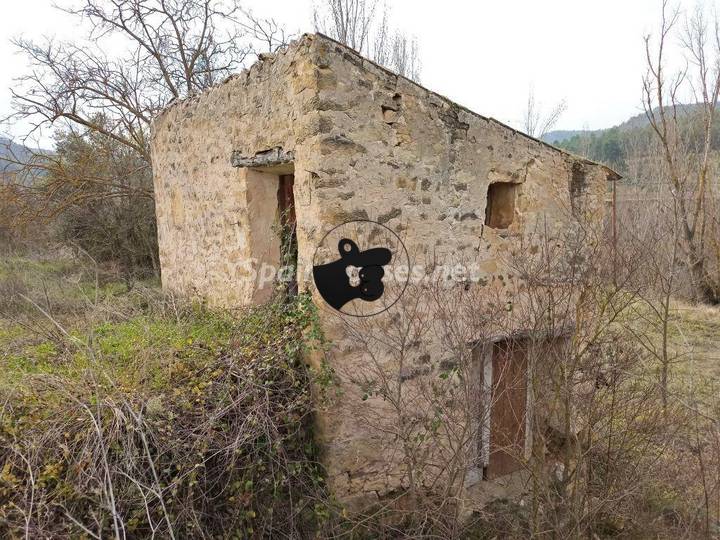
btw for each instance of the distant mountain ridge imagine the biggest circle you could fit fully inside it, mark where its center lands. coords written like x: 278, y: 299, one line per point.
x: 560, y: 135
x: 12, y: 155
x: 610, y: 146
x: 634, y: 122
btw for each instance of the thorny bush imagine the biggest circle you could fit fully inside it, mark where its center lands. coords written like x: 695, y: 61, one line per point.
x: 187, y: 424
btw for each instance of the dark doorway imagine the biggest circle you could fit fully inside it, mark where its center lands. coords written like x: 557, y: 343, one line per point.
x: 288, y: 235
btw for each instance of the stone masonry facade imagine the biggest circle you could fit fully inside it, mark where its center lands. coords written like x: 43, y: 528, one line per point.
x: 362, y: 143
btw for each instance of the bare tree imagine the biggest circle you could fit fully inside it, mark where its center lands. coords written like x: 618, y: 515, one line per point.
x: 105, y: 103
x: 176, y: 48
x: 535, y: 123
x: 685, y: 133
x: 348, y: 21
x: 364, y: 25
x: 405, y: 56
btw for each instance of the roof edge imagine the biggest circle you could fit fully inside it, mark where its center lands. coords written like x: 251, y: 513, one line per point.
x: 308, y: 36
x: 612, y: 174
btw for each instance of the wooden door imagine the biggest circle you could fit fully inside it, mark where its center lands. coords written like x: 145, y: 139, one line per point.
x: 507, y: 405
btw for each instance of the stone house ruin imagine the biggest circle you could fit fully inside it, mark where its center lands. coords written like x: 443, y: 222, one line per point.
x: 315, y: 136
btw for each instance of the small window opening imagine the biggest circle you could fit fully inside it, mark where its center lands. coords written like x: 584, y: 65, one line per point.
x: 500, y: 208
x: 288, y: 236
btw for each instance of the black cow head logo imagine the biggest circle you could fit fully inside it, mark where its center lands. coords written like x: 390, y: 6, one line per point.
x: 356, y: 274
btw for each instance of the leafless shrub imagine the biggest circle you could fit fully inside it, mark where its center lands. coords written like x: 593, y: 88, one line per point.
x: 101, y: 104
x: 536, y: 123
x: 146, y: 417
x: 610, y: 438
x: 686, y: 138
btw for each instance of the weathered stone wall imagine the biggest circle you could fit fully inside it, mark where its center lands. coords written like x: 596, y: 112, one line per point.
x: 212, y: 217
x: 367, y: 145
x: 393, y: 152
x: 396, y: 153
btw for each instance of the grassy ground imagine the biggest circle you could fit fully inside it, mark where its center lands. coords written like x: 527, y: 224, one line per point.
x: 693, y: 343
x: 120, y: 328
x: 124, y: 412
x: 695, y: 334
x: 95, y: 369
x: 50, y: 305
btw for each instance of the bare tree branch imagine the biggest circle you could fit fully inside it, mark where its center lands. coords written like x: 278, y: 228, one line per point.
x: 364, y: 25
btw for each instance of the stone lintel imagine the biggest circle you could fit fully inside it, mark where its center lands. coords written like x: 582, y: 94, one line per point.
x: 262, y: 160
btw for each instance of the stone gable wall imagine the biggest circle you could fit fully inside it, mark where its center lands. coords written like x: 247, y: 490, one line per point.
x: 212, y: 217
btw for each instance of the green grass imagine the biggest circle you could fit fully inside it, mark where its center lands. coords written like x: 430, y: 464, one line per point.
x: 62, y: 318
x: 695, y: 337
x: 43, y: 267
x: 693, y: 344
x: 140, y: 351
x: 67, y: 283
x: 90, y: 348
x: 9, y: 332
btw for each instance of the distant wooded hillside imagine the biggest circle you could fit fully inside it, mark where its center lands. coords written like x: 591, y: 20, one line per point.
x: 614, y: 146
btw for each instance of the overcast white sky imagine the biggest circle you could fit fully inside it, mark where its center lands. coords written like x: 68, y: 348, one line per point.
x: 484, y: 54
